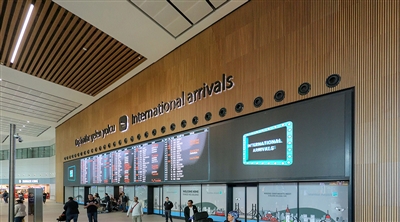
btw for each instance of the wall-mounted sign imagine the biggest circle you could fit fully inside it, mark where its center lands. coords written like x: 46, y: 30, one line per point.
x: 28, y: 181
x: 207, y: 90
x: 110, y: 129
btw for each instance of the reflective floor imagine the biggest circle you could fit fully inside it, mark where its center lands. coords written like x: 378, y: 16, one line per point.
x: 52, y: 210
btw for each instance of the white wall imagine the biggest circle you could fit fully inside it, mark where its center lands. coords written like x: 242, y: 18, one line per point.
x: 34, y: 168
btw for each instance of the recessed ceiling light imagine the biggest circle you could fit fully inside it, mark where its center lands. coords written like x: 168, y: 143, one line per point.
x: 20, y: 129
x: 84, y: 49
x: 28, y: 16
x: 27, y: 121
x: 23, y: 125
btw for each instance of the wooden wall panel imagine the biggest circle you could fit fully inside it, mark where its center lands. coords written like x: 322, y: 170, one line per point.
x: 269, y: 46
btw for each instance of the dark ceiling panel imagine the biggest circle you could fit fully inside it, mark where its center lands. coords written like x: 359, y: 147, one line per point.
x: 62, y: 48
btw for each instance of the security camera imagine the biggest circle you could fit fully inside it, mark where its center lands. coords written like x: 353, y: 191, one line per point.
x: 16, y: 136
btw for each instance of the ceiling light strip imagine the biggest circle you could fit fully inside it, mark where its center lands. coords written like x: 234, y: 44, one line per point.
x: 28, y: 16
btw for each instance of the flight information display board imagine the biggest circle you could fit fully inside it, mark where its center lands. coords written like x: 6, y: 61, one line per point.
x: 182, y: 157
x: 147, y: 162
x: 114, y: 167
x: 186, y: 157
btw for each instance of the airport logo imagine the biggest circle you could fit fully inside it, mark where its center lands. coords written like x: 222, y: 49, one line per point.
x: 123, y: 123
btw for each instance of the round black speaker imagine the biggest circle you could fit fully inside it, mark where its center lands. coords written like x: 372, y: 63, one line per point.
x: 81, y: 154
x: 183, y: 123
x: 239, y: 107
x: 100, y: 148
x: 74, y: 155
x: 172, y: 127
x: 109, y: 145
x: 65, y: 158
x: 146, y: 134
x: 104, y: 146
x: 208, y: 116
x: 139, y: 136
x: 279, y: 96
x: 95, y: 149
x: 120, y: 142
x: 195, y: 120
x: 258, y: 101
x: 77, y: 154
x: 163, y: 129
x: 114, y: 144
x: 154, y: 132
x: 84, y: 152
x: 333, y: 80
x: 222, y: 112
x: 132, y: 138
x: 304, y: 88
x: 126, y: 140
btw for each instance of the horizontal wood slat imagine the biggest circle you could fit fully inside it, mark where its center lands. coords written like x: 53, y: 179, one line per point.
x: 53, y: 47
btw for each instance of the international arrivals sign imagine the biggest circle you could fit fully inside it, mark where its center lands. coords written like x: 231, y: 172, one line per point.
x: 185, y: 98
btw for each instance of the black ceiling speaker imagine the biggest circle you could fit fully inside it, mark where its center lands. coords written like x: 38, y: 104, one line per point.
x: 208, y: 116
x: 304, y: 88
x: 81, y: 154
x: 146, y: 134
x: 65, y: 158
x: 120, y: 142
x: 258, y: 101
x: 132, y: 138
x: 333, y: 80
x: 95, y: 149
x: 88, y: 151
x: 114, y: 144
x: 75, y: 155
x: 84, y: 152
x: 239, y: 107
x: 154, y: 132
x: 222, y: 112
x: 104, y: 146
x: 100, y: 148
x: 139, y: 136
x: 195, y: 120
x: 163, y: 129
x: 183, y: 123
x: 279, y: 96
x: 172, y: 127
x: 109, y: 145
x: 126, y: 140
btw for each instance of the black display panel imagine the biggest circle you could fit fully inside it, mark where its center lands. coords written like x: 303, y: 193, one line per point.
x: 186, y: 157
x: 304, y: 140
x: 148, y: 162
x: 108, y: 168
x: 72, y: 173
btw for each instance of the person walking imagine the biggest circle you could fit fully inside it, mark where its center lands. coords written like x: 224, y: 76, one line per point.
x: 5, y: 196
x: 71, y: 210
x: 136, y: 210
x: 31, y: 204
x: 20, y: 211
x: 168, y: 205
x: 91, y: 205
x: 124, y: 200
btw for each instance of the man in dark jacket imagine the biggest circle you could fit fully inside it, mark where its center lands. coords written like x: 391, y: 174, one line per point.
x: 189, y: 211
x: 71, y: 209
x: 168, y: 205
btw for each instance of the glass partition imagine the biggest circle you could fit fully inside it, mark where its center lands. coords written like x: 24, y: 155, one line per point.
x: 173, y: 192
x: 214, y: 201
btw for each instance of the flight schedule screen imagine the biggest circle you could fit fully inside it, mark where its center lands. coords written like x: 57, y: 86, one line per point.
x: 179, y: 158
x: 186, y: 157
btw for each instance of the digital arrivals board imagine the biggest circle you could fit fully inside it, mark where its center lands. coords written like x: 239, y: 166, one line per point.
x: 170, y: 159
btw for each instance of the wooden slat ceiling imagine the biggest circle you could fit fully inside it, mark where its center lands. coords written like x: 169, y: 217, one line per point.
x: 62, y: 48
